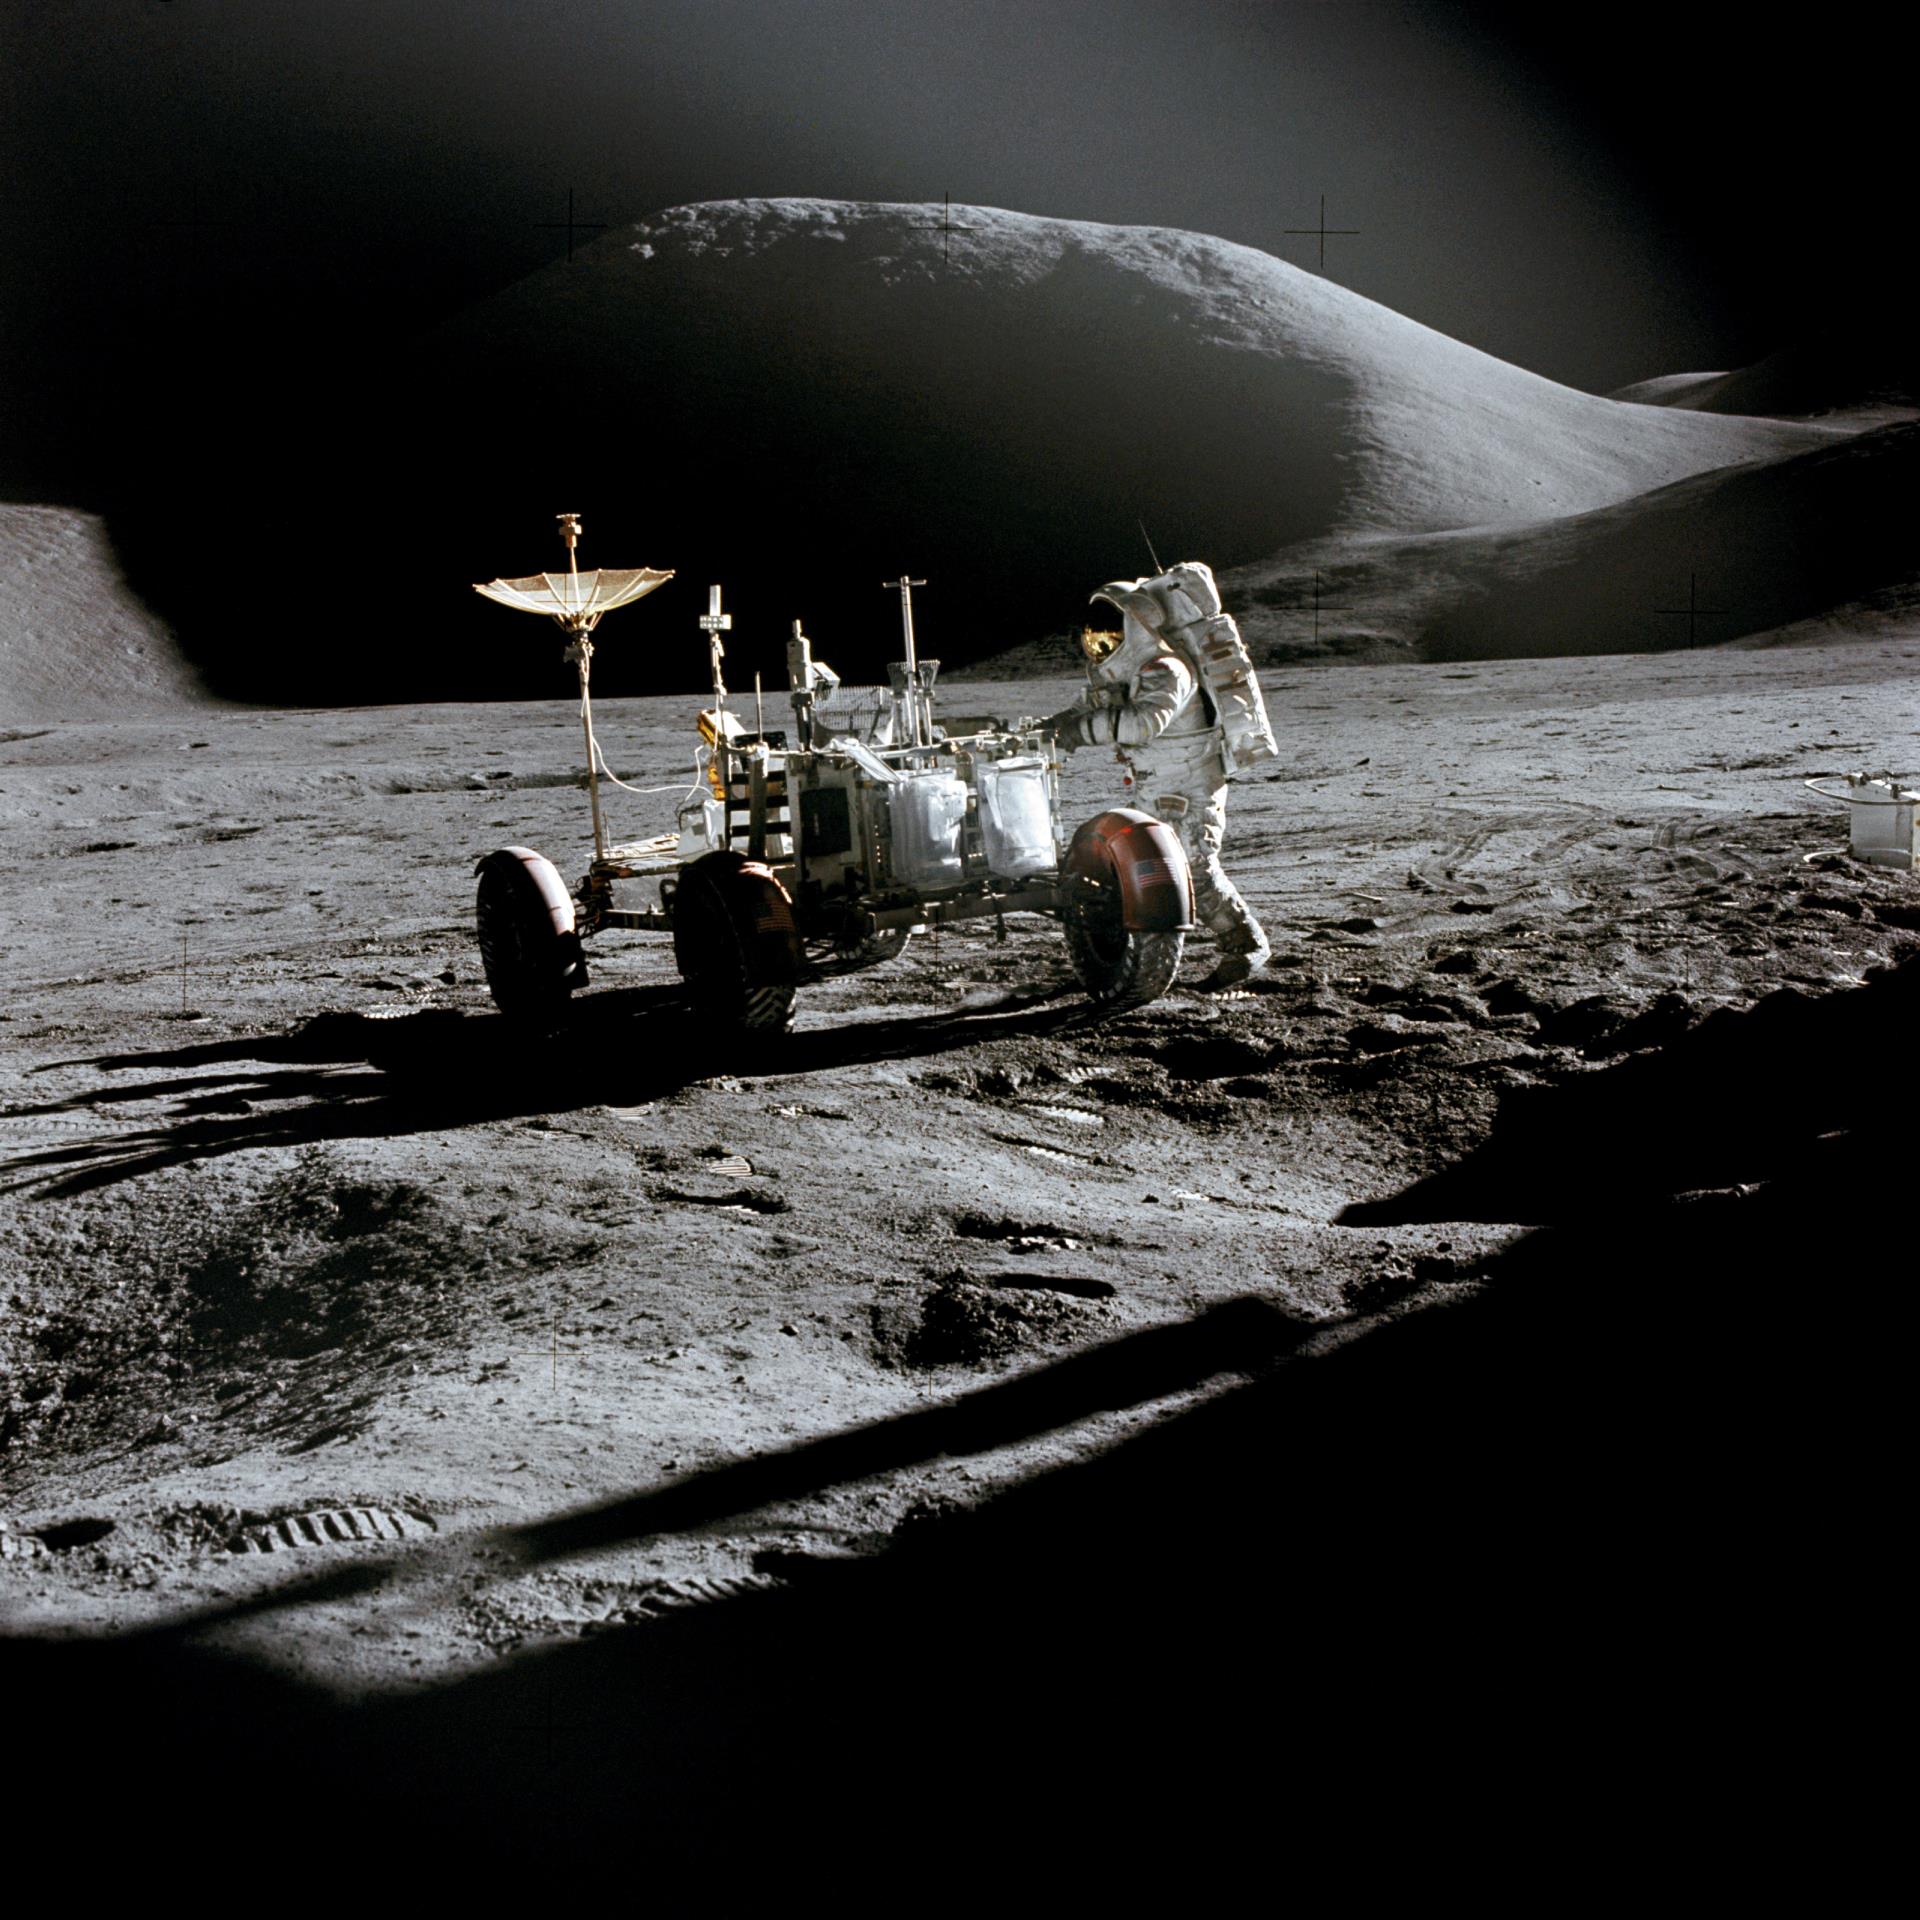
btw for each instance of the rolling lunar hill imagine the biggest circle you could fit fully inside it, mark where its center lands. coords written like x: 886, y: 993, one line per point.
x: 75, y: 641
x: 1754, y: 548
x: 1858, y: 373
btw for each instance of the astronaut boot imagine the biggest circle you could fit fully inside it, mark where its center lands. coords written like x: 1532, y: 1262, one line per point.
x: 1235, y: 965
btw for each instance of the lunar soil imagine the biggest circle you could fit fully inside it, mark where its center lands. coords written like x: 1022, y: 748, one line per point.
x: 971, y: 1409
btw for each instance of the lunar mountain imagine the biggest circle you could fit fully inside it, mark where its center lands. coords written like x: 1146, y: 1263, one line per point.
x: 1185, y: 373
x: 802, y: 398
x: 75, y: 642
x: 814, y: 393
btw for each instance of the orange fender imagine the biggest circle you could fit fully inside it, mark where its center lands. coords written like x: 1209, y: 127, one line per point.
x: 1145, y: 858
x: 542, y: 877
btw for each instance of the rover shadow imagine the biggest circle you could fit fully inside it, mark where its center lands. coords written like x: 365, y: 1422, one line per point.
x: 344, y: 1076
x: 1741, y: 1098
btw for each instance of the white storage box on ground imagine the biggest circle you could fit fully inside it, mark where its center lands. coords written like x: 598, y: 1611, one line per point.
x: 1883, y: 813
x: 1016, y: 818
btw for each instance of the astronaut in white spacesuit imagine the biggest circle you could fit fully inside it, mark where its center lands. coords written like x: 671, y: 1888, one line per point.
x: 1147, y: 700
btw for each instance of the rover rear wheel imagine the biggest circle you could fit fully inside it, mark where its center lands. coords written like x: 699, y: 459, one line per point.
x: 735, y: 943
x: 1118, y: 966
x: 529, y: 948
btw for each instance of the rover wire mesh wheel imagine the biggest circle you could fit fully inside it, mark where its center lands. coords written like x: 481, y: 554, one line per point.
x: 1118, y: 966
x: 528, y: 947
x: 846, y: 952
x: 735, y: 945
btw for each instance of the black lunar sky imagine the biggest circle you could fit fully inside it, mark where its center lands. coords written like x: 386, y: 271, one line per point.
x: 224, y: 214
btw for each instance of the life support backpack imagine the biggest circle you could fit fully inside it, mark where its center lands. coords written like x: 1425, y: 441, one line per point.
x: 1183, y: 606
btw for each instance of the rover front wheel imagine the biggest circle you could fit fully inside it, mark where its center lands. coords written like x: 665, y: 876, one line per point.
x: 1118, y: 966
x: 529, y: 945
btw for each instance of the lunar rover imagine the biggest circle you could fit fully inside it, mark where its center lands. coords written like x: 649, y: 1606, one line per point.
x: 825, y: 850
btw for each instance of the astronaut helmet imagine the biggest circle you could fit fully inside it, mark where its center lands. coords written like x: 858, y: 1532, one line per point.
x: 1119, y: 659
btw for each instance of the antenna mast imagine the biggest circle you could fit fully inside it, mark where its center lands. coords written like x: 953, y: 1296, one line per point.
x: 917, y: 697
x: 581, y: 626
x: 713, y: 623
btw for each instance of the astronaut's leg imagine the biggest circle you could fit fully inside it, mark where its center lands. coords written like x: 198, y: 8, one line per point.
x: 1201, y: 821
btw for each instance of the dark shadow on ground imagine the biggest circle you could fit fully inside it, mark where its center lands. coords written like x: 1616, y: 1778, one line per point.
x: 1582, y: 1557
x: 343, y: 1076
x: 1744, y: 1097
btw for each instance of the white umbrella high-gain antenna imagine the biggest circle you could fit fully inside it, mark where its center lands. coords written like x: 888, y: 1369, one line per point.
x: 575, y: 602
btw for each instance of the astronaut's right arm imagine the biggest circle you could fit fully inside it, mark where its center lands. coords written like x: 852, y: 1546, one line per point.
x: 1165, y: 686
x: 1068, y: 726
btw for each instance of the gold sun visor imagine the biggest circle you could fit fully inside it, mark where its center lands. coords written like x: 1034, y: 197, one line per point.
x: 576, y: 596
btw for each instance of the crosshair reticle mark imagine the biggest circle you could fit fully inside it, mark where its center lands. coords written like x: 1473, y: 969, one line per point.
x: 1323, y: 230
x: 1693, y: 610
x: 550, y: 1352
x: 946, y: 227
x: 196, y: 223
x: 1317, y: 606
x: 572, y: 226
